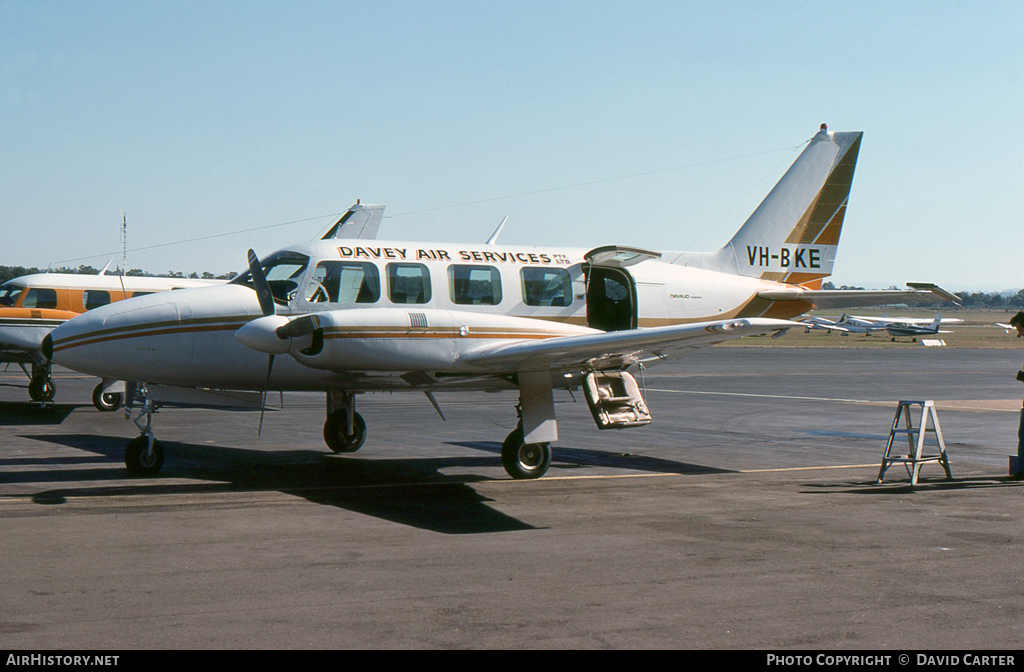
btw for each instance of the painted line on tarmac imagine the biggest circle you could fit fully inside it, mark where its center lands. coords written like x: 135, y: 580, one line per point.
x: 989, y: 405
x: 774, y: 396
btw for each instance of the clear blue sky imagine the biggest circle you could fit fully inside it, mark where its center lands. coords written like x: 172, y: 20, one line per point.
x: 199, y: 118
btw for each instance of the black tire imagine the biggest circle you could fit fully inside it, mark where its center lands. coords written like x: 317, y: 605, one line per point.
x: 106, y: 401
x: 336, y: 438
x: 524, y: 460
x: 41, y: 390
x: 133, y: 457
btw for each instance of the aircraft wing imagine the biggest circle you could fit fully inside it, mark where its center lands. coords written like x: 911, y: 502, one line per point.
x: 616, y: 349
x: 851, y: 298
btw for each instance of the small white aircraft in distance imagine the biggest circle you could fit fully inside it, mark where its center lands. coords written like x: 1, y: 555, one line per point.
x: 825, y: 323
x: 915, y: 328
x: 32, y: 305
x: 859, y: 325
x: 352, y: 316
x: 885, y: 320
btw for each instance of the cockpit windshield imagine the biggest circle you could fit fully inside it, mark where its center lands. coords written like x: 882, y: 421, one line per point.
x: 9, y: 294
x: 283, y: 270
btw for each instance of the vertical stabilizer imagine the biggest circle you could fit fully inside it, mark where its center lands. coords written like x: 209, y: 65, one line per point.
x: 359, y: 221
x: 793, y: 234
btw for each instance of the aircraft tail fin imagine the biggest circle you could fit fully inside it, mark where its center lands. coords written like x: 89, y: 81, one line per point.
x: 793, y: 234
x: 936, y: 322
x: 359, y: 221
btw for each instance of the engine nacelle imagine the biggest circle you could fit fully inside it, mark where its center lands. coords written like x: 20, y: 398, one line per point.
x: 399, y: 339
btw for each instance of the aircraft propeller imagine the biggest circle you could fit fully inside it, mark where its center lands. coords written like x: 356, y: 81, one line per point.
x: 266, y: 298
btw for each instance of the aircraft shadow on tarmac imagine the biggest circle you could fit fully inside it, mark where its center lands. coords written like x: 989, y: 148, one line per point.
x: 409, y: 492
x: 575, y: 458
x: 30, y: 413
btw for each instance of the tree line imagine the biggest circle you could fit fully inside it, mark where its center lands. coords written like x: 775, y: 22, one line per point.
x: 11, y: 272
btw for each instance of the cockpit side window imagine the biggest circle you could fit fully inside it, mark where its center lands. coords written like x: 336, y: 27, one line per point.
x: 9, y: 294
x: 344, y: 282
x: 283, y: 270
x: 40, y: 297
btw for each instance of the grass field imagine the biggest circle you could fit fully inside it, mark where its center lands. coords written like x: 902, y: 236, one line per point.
x: 978, y: 330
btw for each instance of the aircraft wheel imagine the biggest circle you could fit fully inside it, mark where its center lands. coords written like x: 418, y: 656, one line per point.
x: 524, y: 460
x: 106, y: 401
x: 137, y: 462
x: 335, y: 436
x: 41, y: 390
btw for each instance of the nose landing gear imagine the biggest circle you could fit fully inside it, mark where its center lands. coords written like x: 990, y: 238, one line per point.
x: 144, y: 455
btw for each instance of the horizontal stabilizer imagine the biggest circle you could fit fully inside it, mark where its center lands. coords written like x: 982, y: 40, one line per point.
x: 852, y: 298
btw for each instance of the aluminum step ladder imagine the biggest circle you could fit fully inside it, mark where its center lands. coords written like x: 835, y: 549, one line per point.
x: 915, y: 456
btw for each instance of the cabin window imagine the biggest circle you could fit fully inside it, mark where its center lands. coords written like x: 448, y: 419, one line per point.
x: 474, y: 285
x: 283, y: 270
x: 138, y: 294
x: 344, y: 282
x: 38, y: 297
x: 9, y: 294
x: 546, y: 286
x: 408, y: 283
x: 94, y: 298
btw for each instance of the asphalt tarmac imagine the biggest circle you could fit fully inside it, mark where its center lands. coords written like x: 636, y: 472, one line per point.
x: 746, y: 516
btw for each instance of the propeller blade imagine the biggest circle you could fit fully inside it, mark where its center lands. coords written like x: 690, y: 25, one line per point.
x: 259, y: 282
x: 263, y: 400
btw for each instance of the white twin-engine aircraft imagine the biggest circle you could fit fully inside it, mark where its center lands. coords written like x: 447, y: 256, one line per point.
x: 357, y: 315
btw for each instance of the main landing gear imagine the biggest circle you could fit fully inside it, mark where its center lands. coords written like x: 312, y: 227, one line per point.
x: 42, y: 389
x: 107, y: 402
x: 524, y: 460
x: 40, y: 386
x: 345, y: 430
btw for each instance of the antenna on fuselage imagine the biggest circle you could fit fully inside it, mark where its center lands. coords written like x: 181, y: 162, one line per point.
x: 493, y: 240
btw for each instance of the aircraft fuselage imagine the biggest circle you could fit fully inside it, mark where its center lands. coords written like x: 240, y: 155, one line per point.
x: 188, y: 338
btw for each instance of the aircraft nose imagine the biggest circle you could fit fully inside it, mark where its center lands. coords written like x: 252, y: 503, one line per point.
x: 110, y: 341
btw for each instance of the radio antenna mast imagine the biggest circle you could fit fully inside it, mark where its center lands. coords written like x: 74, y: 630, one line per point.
x: 124, y: 251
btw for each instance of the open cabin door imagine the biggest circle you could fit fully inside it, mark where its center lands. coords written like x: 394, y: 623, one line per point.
x: 611, y: 290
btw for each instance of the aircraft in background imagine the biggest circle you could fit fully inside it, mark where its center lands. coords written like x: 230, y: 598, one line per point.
x: 347, y: 317
x: 915, y: 328
x: 33, y: 305
x: 824, y: 323
x: 863, y: 324
x: 859, y: 325
x: 886, y: 320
